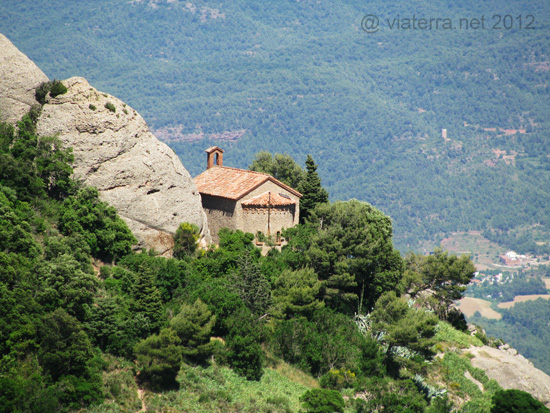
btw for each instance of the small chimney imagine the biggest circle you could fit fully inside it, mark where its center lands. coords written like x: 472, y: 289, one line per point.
x: 214, y: 157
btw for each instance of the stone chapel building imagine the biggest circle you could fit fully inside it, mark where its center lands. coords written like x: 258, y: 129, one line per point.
x: 246, y: 200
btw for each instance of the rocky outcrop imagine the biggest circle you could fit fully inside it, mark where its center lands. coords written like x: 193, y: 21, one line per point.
x: 512, y: 371
x: 19, y: 77
x: 115, y: 152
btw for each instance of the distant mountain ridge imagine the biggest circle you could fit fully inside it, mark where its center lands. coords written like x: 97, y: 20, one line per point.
x: 108, y: 129
x: 303, y: 77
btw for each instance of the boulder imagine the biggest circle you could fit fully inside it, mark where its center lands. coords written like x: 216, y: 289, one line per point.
x: 512, y: 371
x: 114, y: 151
x: 19, y: 77
x: 134, y: 172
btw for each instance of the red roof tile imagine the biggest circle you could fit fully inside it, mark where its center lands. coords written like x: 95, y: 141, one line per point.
x: 269, y: 198
x: 214, y: 148
x: 233, y: 183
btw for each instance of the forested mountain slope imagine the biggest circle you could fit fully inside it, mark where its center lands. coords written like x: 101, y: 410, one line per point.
x: 89, y: 324
x: 302, y: 77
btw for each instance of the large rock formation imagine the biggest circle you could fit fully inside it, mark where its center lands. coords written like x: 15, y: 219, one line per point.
x: 512, y: 371
x: 114, y: 151
x: 19, y: 77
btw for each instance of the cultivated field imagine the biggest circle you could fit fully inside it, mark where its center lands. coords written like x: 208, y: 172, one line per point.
x: 522, y: 298
x: 469, y: 305
x: 485, y: 252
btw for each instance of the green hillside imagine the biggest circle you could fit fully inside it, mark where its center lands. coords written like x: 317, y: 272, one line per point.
x: 303, y: 78
x: 89, y: 324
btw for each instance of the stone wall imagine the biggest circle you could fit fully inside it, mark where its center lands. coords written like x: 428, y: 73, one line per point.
x: 242, y: 218
x: 256, y: 219
x: 220, y: 213
x: 231, y: 214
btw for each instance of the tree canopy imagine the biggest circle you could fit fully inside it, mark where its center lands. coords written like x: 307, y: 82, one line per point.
x: 85, y: 319
x: 313, y: 193
x: 349, y: 245
x: 441, y: 276
x: 281, y: 166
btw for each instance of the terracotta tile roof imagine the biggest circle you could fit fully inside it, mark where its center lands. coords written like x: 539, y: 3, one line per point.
x: 214, y: 148
x: 269, y: 198
x: 233, y: 183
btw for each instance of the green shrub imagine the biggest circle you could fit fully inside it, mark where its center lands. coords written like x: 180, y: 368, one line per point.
x: 110, y: 106
x: 34, y: 113
x: 245, y: 354
x: 337, y: 379
x: 516, y: 401
x: 322, y: 400
x: 104, y: 231
x: 92, y: 107
x: 42, y: 91
x: 186, y: 240
x: 105, y: 271
x: 484, y: 339
x: 57, y: 88
x: 159, y: 359
x: 193, y: 325
x: 54, y: 88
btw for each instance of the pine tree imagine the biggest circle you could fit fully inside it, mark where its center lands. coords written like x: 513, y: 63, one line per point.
x: 251, y: 284
x: 245, y: 354
x: 147, y: 300
x: 296, y: 293
x: 159, y: 359
x: 194, y: 325
x: 312, y: 190
x: 186, y: 240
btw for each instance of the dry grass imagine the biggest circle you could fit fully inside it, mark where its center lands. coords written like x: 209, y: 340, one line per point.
x: 469, y: 305
x: 523, y: 298
x: 292, y: 373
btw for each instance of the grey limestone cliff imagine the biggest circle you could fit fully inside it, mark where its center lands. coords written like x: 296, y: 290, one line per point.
x: 512, y: 371
x: 19, y: 77
x: 114, y: 151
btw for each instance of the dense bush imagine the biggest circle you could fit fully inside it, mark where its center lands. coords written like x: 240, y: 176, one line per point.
x: 53, y: 88
x: 110, y: 107
x: 322, y: 401
x: 106, y: 234
x: 42, y: 91
x: 34, y: 166
x: 64, y: 322
x: 516, y: 401
x: 57, y: 88
x: 329, y: 341
x: 245, y: 354
x: 186, y: 240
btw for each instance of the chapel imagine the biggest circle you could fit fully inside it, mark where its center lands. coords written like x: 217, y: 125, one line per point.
x: 251, y: 201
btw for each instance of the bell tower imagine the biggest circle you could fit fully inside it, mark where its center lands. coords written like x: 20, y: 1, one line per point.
x: 214, y: 157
